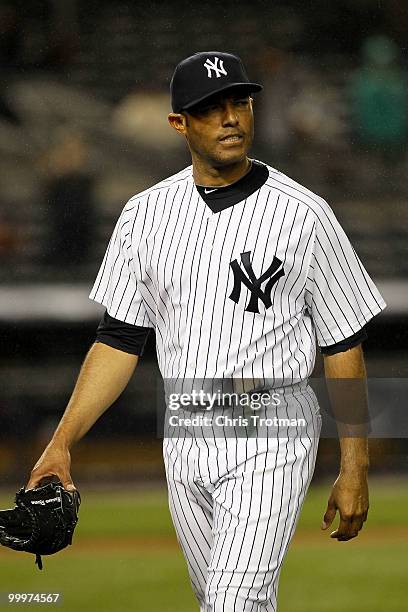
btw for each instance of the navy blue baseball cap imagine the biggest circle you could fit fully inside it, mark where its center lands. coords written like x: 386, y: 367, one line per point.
x: 204, y: 74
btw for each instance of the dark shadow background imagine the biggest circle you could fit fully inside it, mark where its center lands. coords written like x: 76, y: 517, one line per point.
x: 83, y: 105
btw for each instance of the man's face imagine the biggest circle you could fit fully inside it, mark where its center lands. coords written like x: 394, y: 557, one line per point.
x: 221, y: 130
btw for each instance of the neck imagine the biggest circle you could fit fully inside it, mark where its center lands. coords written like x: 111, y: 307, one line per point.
x: 211, y: 176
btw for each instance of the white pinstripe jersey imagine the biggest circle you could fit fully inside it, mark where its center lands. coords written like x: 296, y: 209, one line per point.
x: 244, y: 292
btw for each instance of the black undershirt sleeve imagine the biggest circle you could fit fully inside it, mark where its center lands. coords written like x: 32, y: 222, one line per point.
x: 346, y: 344
x: 132, y: 338
x: 122, y: 336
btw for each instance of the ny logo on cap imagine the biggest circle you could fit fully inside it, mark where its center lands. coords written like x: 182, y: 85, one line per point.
x: 273, y: 273
x: 217, y: 65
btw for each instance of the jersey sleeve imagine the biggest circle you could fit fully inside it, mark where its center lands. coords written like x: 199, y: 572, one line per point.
x: 116, y: 286
x: 340, y: 294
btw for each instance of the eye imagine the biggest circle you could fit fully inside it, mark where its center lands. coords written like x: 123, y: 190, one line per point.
x: 242, y: 102
x: 205, y: 110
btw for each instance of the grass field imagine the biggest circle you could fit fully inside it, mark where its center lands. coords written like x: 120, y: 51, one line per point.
x: 125, y: 557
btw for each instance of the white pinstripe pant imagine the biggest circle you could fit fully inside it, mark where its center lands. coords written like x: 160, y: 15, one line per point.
x: 235, y: 504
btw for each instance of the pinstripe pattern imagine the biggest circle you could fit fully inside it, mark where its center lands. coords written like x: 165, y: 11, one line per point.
x: 167, y: 267
x: 235, y: 500
x: 234, y: 520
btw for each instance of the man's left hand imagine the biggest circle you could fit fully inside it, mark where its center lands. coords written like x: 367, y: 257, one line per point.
x: 350, y: 497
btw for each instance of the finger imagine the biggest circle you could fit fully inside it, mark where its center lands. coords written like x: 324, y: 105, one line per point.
x: 41, y: 479
x: 63, y: 477
x: 69, y: 485
x: 31, y: 484
x: 356, y: 524
x: 336, y: 535
x: 344, y: 531
x: 35, y: 480
x: 66, y: 481
x: 329, y: 515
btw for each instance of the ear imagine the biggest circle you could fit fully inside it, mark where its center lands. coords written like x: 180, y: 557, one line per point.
x: 178, y: 121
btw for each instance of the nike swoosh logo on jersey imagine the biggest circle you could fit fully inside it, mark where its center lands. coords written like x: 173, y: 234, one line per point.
x: 209, y: 190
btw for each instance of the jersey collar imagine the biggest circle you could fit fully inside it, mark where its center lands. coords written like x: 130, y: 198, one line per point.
x: 220, y: 198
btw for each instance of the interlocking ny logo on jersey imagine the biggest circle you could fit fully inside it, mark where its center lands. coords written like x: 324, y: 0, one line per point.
x: 274, y: 272
x: 217, y: 65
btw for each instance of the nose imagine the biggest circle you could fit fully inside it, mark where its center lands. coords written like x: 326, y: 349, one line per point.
x: 230, y: 115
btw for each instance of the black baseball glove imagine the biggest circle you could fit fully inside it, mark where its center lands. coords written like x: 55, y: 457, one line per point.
x: 42, y: 522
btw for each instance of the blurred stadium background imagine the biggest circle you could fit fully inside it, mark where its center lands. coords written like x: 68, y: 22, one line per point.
x: 83, y: 106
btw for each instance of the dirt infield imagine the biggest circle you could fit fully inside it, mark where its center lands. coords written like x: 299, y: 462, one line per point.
x: 311, y: 538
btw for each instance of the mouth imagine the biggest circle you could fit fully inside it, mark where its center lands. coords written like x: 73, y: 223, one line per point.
x: 232, y: 138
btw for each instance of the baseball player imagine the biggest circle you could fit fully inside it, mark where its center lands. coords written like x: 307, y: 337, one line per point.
x: 242, y: 272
